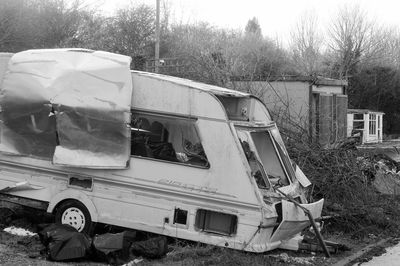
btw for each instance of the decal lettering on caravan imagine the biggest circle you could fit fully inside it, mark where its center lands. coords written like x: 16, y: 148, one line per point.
x: 187, y: 186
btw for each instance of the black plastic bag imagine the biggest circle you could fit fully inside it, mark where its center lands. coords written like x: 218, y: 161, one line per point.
x: 113, y: 248
x: 152, y: 248
x: 63, y: 242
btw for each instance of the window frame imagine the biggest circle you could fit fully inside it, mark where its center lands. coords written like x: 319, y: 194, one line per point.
x: 372, y: 125
x: 290, y: 174
x: 357, y: 118
x: 278, y: 155
x: 358, y: 121
x: 192, y: 120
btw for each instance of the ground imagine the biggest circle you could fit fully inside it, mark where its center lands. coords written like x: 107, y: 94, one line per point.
x: 26, y: 250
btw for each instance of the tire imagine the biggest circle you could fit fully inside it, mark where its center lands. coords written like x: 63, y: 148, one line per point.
x: 74, y: 213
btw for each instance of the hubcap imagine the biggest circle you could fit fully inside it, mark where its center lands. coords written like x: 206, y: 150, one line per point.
x: 74, y: 217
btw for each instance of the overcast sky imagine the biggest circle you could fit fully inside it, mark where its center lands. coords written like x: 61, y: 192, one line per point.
x: 276, y: 17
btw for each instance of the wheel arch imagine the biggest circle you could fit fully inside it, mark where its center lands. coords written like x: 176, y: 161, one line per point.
x: 71, y: 194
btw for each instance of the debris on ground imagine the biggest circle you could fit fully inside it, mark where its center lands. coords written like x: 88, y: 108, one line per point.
x: 387, y: 178
x: 18, y: 231
x: 133, y: 262
x: 285, y: 258
x: 64, y: 243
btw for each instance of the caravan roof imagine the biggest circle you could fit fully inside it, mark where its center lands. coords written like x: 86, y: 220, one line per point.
x: 195, y: 85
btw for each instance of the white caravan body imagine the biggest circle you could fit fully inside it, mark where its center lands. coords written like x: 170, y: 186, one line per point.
x: 204, y: 161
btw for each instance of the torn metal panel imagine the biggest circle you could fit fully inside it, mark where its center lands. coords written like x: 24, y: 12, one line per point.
x: 294, y: 219
x: 304, y: 181
x: 70, y: 104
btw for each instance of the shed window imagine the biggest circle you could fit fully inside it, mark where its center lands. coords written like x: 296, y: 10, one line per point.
x: 372, y: 124
x: 358, y: 122
x: 358, y: 116
x: 172, y: 139
x: 358, y: 125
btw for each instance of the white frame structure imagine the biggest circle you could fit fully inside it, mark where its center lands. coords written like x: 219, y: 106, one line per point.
x: 367, y: 122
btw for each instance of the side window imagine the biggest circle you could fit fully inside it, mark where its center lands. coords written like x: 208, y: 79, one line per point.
x: 166, y: 138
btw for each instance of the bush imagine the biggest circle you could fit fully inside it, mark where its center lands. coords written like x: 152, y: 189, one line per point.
x: 344, y: 178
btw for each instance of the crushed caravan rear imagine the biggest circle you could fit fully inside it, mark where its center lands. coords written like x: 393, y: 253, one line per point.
x: 198, y: 162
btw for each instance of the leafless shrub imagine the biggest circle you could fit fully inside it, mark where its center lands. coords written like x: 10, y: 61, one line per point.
x: 343, y: 177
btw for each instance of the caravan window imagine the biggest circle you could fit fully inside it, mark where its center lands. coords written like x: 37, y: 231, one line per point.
x: 267, y: 157
x: 255, y: 166
x: 167, y: 138
x: 265, y: 146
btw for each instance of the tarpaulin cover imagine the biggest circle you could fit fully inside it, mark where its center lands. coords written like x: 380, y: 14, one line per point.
x: 68, y: 105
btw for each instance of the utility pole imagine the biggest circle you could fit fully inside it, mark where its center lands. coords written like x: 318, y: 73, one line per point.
x: 157, y: 48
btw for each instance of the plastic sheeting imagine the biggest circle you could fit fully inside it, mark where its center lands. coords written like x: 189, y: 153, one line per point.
x: 68, y: 105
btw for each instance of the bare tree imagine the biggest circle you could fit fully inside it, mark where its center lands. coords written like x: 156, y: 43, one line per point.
x: 255, y: 57
x: 26, y: 24
x: 14, y: 35
x: 55, y: 21
x: 203, y: 47
x: 390, y: 51
x: 305, y: 43
x: 133, y: 29
x: 253, y: 27
x: 353, y: 37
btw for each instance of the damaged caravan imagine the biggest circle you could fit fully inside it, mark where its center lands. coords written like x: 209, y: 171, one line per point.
x: 89, y: 140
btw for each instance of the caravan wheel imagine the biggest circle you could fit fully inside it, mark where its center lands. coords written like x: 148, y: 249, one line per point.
x: 74, y: 213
